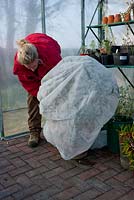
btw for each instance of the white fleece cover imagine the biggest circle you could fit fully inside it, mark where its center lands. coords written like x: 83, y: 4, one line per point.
x: 77, y: 97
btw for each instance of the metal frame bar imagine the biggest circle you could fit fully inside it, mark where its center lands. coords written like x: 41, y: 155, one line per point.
x: 83, y: 34
x: 95, y: 35
x: 88, y: 27
x: 2, y: 131
x: 82, y: 22
x: 17, y: 135
x: 1, y: 118
x: 43, y: 16
x: 126, y: 77
x: 130, y: 29
x: 101, y: 33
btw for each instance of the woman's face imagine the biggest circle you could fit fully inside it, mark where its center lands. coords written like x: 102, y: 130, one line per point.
x: 32, y: 66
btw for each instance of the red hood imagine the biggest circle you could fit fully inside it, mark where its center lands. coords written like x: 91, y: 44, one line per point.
x: 48, y: 51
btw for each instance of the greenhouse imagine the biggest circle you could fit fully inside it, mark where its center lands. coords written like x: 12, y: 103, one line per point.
x: 76, y: 89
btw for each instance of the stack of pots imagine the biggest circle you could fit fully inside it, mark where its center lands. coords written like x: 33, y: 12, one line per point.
x: 115, y: 18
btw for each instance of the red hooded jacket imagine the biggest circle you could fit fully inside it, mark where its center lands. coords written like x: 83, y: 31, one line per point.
x: 50, y: 54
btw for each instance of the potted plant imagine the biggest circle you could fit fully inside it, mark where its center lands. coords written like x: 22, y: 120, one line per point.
x: 105, y: 52
x: 129, y: 13
x: 129, y: 41
x: 125, y: 55
x: 117, y: 18
x: 126, y: 139
x: 106, y: 47
x: 123, y: 116
x: 83, y: 50
x: 91, y: 51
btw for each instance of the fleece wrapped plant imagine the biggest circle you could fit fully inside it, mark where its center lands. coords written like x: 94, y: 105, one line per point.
x: 77, y: 97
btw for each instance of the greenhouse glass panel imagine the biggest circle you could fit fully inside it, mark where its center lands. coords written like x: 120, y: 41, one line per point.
x: 18, y: 18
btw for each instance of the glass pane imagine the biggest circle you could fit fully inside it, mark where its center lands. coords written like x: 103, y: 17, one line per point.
x: 63, y: 22
x: 18, y: 19
x: 15, y: 121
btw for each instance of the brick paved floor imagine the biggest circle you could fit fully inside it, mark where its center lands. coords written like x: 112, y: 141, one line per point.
x: 41, y: 174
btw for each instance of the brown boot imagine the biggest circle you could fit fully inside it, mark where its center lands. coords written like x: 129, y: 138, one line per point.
x: 33, y: 140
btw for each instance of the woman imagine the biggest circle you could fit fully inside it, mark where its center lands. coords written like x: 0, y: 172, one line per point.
x: 37, y: 54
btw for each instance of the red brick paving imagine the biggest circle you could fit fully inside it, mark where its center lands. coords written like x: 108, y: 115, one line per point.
x: 41, y: 174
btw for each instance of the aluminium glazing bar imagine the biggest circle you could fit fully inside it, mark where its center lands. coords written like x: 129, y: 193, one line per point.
x: 88, y: 27
x: 43, y: 16
x: 82, y: 22
x: 1, y: 119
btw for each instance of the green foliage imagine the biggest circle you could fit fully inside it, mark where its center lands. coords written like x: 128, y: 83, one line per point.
x: 88, y: 50
x: 83, y: 49
x: 92, y: 45
x: 126, y: 135
x: 109, y: 34
x: 106, y: 44
x: 126, y: 102
x: 127, y: 41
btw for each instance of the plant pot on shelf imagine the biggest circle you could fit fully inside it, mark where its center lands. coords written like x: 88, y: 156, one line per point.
x: 117, y: 18
x: 104, y: 20
x: 95, y: 57
x: 127, y: 17
x: 124, y: 49
x: 110, y: 19
x: 107, y: 59
x: 121, y: 58
x: 115, y: 48
x: 91, y: 55
x: 131, y: 60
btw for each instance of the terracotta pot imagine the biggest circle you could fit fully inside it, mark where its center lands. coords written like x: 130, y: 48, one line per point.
x: 127, y: 17
x: 110, y: 19
x: 117, y: 18
x: 104, y: 20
